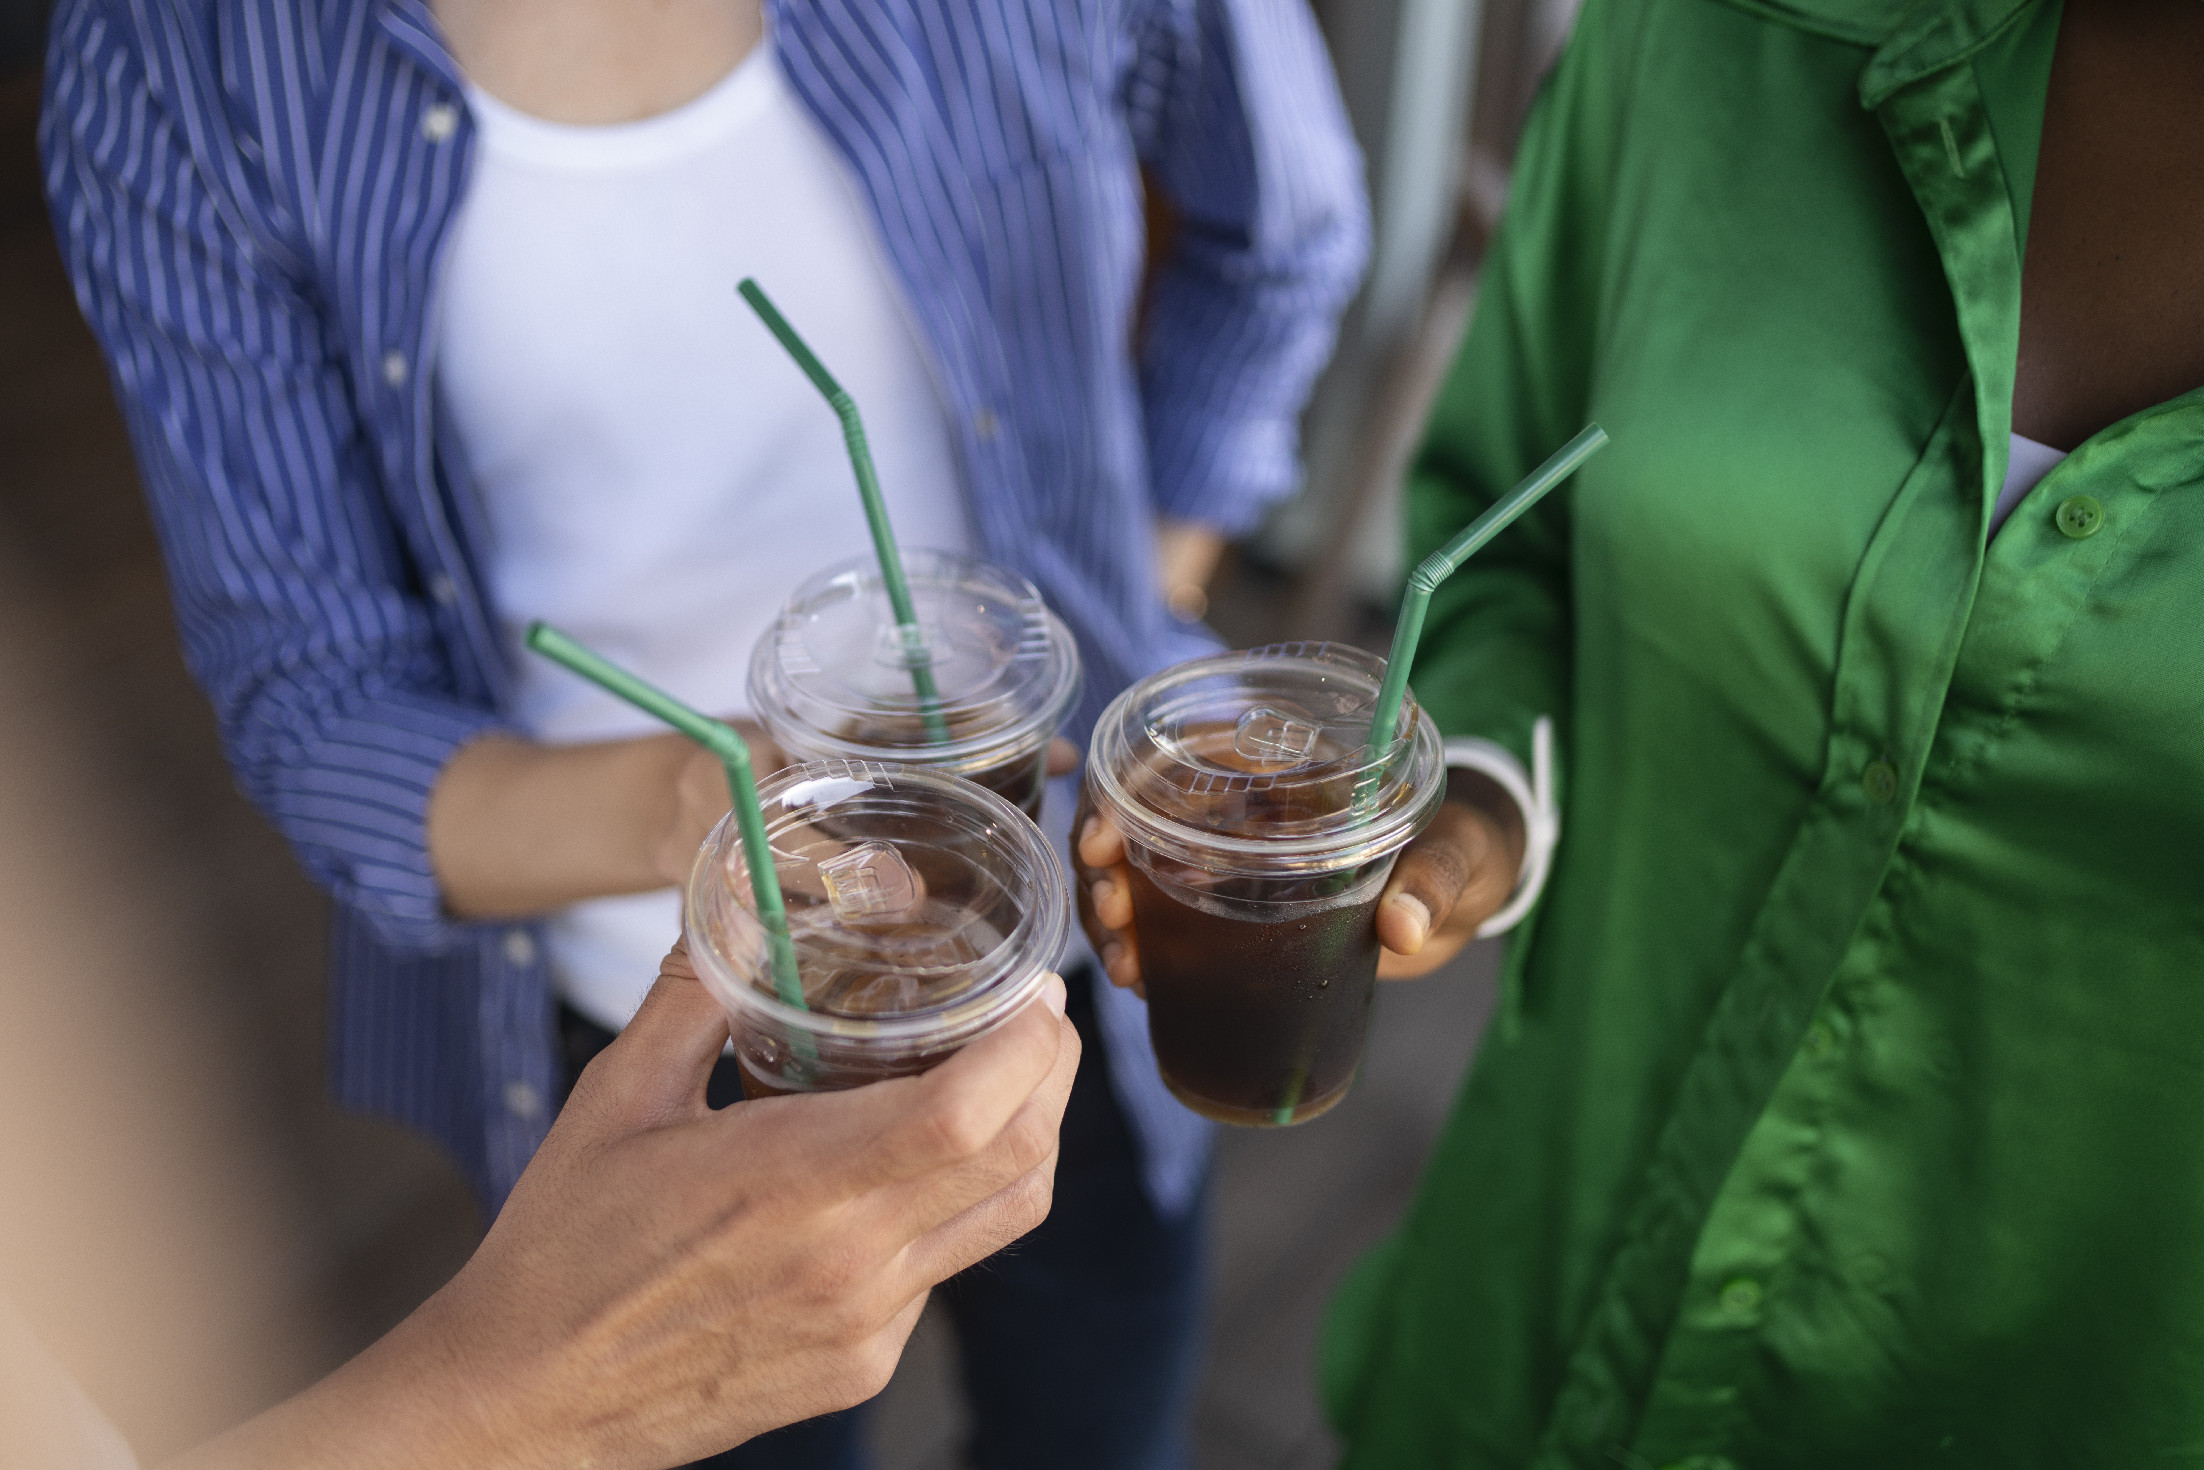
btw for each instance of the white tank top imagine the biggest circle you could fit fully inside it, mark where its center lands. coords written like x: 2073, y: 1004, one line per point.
x: 657, y: 476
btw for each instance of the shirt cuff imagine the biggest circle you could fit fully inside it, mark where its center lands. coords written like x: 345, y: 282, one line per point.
x: 1533, y: 795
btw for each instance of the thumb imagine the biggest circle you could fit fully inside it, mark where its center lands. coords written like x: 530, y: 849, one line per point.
x: 1458, y: 869
x: 655, y: 1071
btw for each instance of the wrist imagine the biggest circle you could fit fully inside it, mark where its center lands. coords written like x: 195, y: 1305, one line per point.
x: 1492, y: 779
x: 414, y: 1400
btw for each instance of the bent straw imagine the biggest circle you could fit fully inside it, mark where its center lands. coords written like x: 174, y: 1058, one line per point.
x: 742, y: 785
x: 915, y: 653
x: 1441, y: 564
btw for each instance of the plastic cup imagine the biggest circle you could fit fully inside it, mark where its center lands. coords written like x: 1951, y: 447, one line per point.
x: 830, y: 678
x: 924, y: 912
x: 1260, y: 832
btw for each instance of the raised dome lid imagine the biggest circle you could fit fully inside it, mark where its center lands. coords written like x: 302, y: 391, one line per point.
x: 1256, y: 763
x: 830, y: 677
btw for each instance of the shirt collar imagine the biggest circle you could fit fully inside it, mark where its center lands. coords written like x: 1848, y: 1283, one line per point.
x: 412, y: 27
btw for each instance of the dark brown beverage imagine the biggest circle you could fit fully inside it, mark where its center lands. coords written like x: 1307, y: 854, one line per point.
x: 1021, y: 782
x: 1255, y: 1022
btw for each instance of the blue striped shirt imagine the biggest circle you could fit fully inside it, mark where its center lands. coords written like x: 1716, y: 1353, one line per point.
x: 253, y: 197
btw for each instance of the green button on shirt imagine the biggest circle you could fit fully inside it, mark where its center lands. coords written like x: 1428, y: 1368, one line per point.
x: 1847, y: 1106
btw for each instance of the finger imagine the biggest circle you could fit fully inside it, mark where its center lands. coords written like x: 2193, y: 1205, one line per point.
x: 1120, y: 958
x: 1112, y: 898
x: 655, y: 1070
x: 1449, y: 881
x: 985, y: 1205
x: 985, y: 1228
x: 949, y: 1116
x: 1429, y: 879
x: 1100, y: 844
x: 1063, y: 757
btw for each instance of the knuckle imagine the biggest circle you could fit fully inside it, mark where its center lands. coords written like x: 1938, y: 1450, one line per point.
x: 955, y: 1129
x: 1028, y: 1145
x: 873, y: 1365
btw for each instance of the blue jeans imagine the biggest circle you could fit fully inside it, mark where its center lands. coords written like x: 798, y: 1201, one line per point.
x: 1079, y: 1343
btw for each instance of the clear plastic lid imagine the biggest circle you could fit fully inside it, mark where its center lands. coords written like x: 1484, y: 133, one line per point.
x: 921, y: 906
x: 1256, y: 763
x: 831, y: 678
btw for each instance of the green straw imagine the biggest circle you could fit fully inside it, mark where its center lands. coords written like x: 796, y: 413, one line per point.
x: 1441, y: 564
x: 742, y: 784
x: 915, y: 653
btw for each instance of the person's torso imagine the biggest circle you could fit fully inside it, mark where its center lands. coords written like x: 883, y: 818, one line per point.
x: 1853, y: 1116
x: 656, y: 475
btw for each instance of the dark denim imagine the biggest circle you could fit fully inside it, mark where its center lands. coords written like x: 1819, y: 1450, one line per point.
x: 1079, y: 1343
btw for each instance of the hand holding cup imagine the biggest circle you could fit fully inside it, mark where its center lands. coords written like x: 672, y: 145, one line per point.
x: 668, y: 1281
x: 1454, y: 876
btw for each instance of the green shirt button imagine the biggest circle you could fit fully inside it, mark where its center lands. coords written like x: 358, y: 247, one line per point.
x: 1880, y: 781
x: 1819, y: 1038
x: 2080, y: 517
x: 1741, y: 1297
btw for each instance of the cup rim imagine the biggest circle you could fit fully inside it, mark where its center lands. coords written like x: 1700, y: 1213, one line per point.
x: 1269, y: 855
x: 924, y: 567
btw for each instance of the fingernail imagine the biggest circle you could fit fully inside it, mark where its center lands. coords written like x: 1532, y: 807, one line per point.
x: 1101, y: 891
x: 1110, y: 955
x: 1087, y: 829
x: 1052, y: 996
x: 1418, y: 912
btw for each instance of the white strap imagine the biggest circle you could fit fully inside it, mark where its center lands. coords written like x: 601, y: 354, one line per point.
x: 1533, y: 796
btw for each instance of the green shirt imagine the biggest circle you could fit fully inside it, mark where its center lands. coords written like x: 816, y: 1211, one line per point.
x: 1848, y: 1107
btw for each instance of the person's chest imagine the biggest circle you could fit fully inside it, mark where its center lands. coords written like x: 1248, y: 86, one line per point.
x: 1806, y: 364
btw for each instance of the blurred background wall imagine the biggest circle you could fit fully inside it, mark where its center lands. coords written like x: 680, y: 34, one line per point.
x: 315, y: 1231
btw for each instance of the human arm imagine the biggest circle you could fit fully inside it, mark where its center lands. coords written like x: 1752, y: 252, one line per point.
x: 261, y: 424
x: 1244, y: 135
x: 667, y: 1281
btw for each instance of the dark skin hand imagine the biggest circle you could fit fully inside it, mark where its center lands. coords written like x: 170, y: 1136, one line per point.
x: 2112, y: 291
x: 1452, y: 878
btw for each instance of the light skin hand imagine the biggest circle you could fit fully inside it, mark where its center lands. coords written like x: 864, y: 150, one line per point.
x: 1456, y: 874
x: 1186, y: 558
x: 668, y: 1281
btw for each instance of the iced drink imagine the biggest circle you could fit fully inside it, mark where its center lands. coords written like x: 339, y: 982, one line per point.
x: 925, y: 911
x: 831, y: 678
x: 1260, y: 830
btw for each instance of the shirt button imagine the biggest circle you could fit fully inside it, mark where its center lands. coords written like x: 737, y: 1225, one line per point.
x: 446, y: 591
x: 2080, y: 517
x: 1880, y: 782
x: 520, y: 947
x: 1819, y: 1038
x: 984, y: 425
x: 439, y: 121
x: 1741, y: 1297
x: 395, y: 369
x: 523, y: 1101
